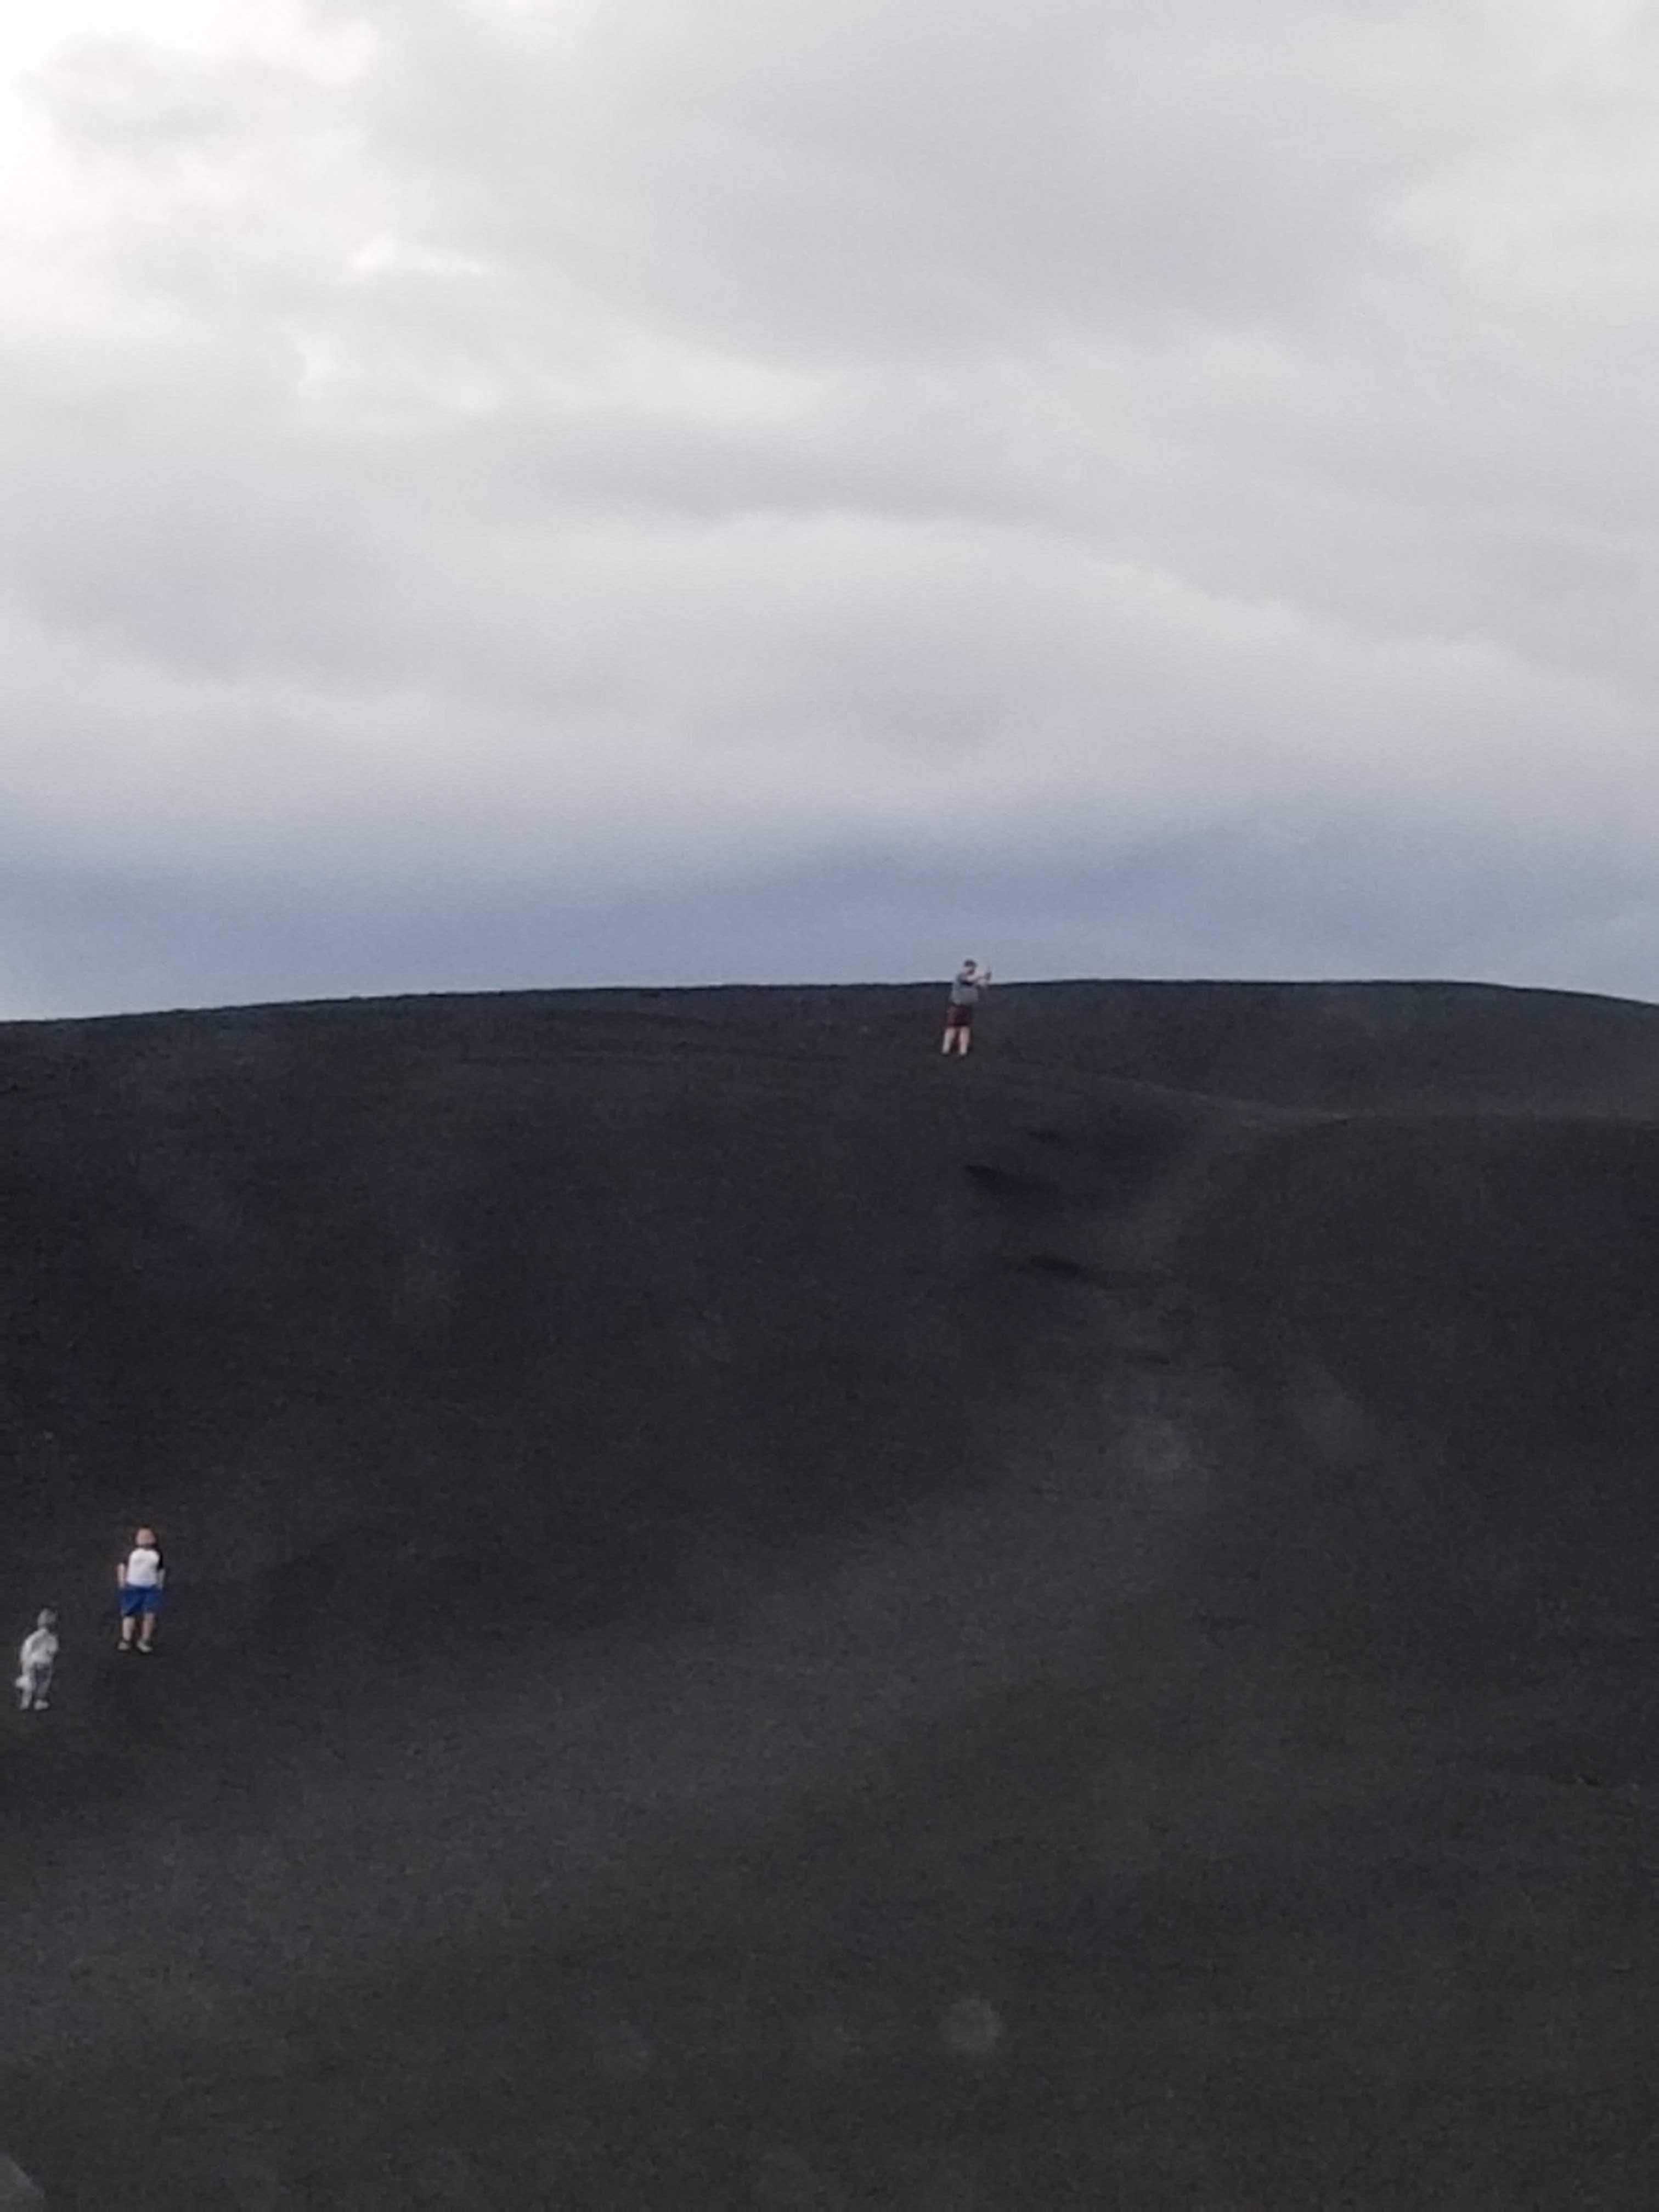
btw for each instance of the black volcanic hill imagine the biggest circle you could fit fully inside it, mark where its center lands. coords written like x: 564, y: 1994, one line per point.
x: 760, y: 1617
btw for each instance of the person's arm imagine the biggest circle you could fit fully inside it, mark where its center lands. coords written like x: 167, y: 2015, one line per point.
x: 161, y: 1574
x: 121, y: 1575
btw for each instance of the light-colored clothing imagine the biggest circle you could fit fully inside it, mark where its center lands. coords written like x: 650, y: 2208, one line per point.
x: 36, y: 1659
x: 965, y: 990
x: 143, y: 1570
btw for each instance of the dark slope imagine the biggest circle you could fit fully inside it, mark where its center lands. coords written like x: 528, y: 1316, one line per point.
x: 1451, y: 1329
x: 1348, y: 1046
x: 519, y: 1286
x: 707, y: 1536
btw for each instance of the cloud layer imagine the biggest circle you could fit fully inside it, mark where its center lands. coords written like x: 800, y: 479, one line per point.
x: 1184, y: 482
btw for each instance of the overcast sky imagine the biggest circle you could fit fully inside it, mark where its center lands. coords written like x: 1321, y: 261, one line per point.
x: 516, y: 492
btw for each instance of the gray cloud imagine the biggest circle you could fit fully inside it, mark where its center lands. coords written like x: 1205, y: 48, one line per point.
x: 1366, y: 899
x: 468, y: 463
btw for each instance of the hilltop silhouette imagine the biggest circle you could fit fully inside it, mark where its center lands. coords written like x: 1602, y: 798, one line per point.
x: 758, y: 1616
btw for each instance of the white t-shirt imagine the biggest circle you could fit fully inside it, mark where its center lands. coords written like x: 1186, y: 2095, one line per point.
x: 38, y: 1650
x: 144, y: 1568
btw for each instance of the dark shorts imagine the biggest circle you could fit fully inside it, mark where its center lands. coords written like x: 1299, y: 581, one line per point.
x: 139, y: 1601
x: 959, y: 1017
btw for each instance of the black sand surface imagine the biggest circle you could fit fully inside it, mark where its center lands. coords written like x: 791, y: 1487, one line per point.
x: 761, y: 1619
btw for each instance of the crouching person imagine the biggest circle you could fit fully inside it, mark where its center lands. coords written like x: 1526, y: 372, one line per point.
x: 36, y: 1660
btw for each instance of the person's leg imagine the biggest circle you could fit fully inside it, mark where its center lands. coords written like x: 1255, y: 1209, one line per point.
x: 129, y: 1618
x: 147, y: 1621
x: 42, y: 1688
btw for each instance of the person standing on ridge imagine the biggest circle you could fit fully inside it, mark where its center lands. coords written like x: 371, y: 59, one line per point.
x: 142, y: 1577
x: 35, y: 1661
x: 969, y: 980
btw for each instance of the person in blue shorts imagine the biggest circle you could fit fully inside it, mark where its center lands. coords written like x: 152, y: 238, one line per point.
x: 142, y: 1576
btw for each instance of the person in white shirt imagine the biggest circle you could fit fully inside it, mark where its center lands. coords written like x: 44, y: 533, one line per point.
x: 143, y: 1578
x: 969, y: 980
x: 36, y: 1660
